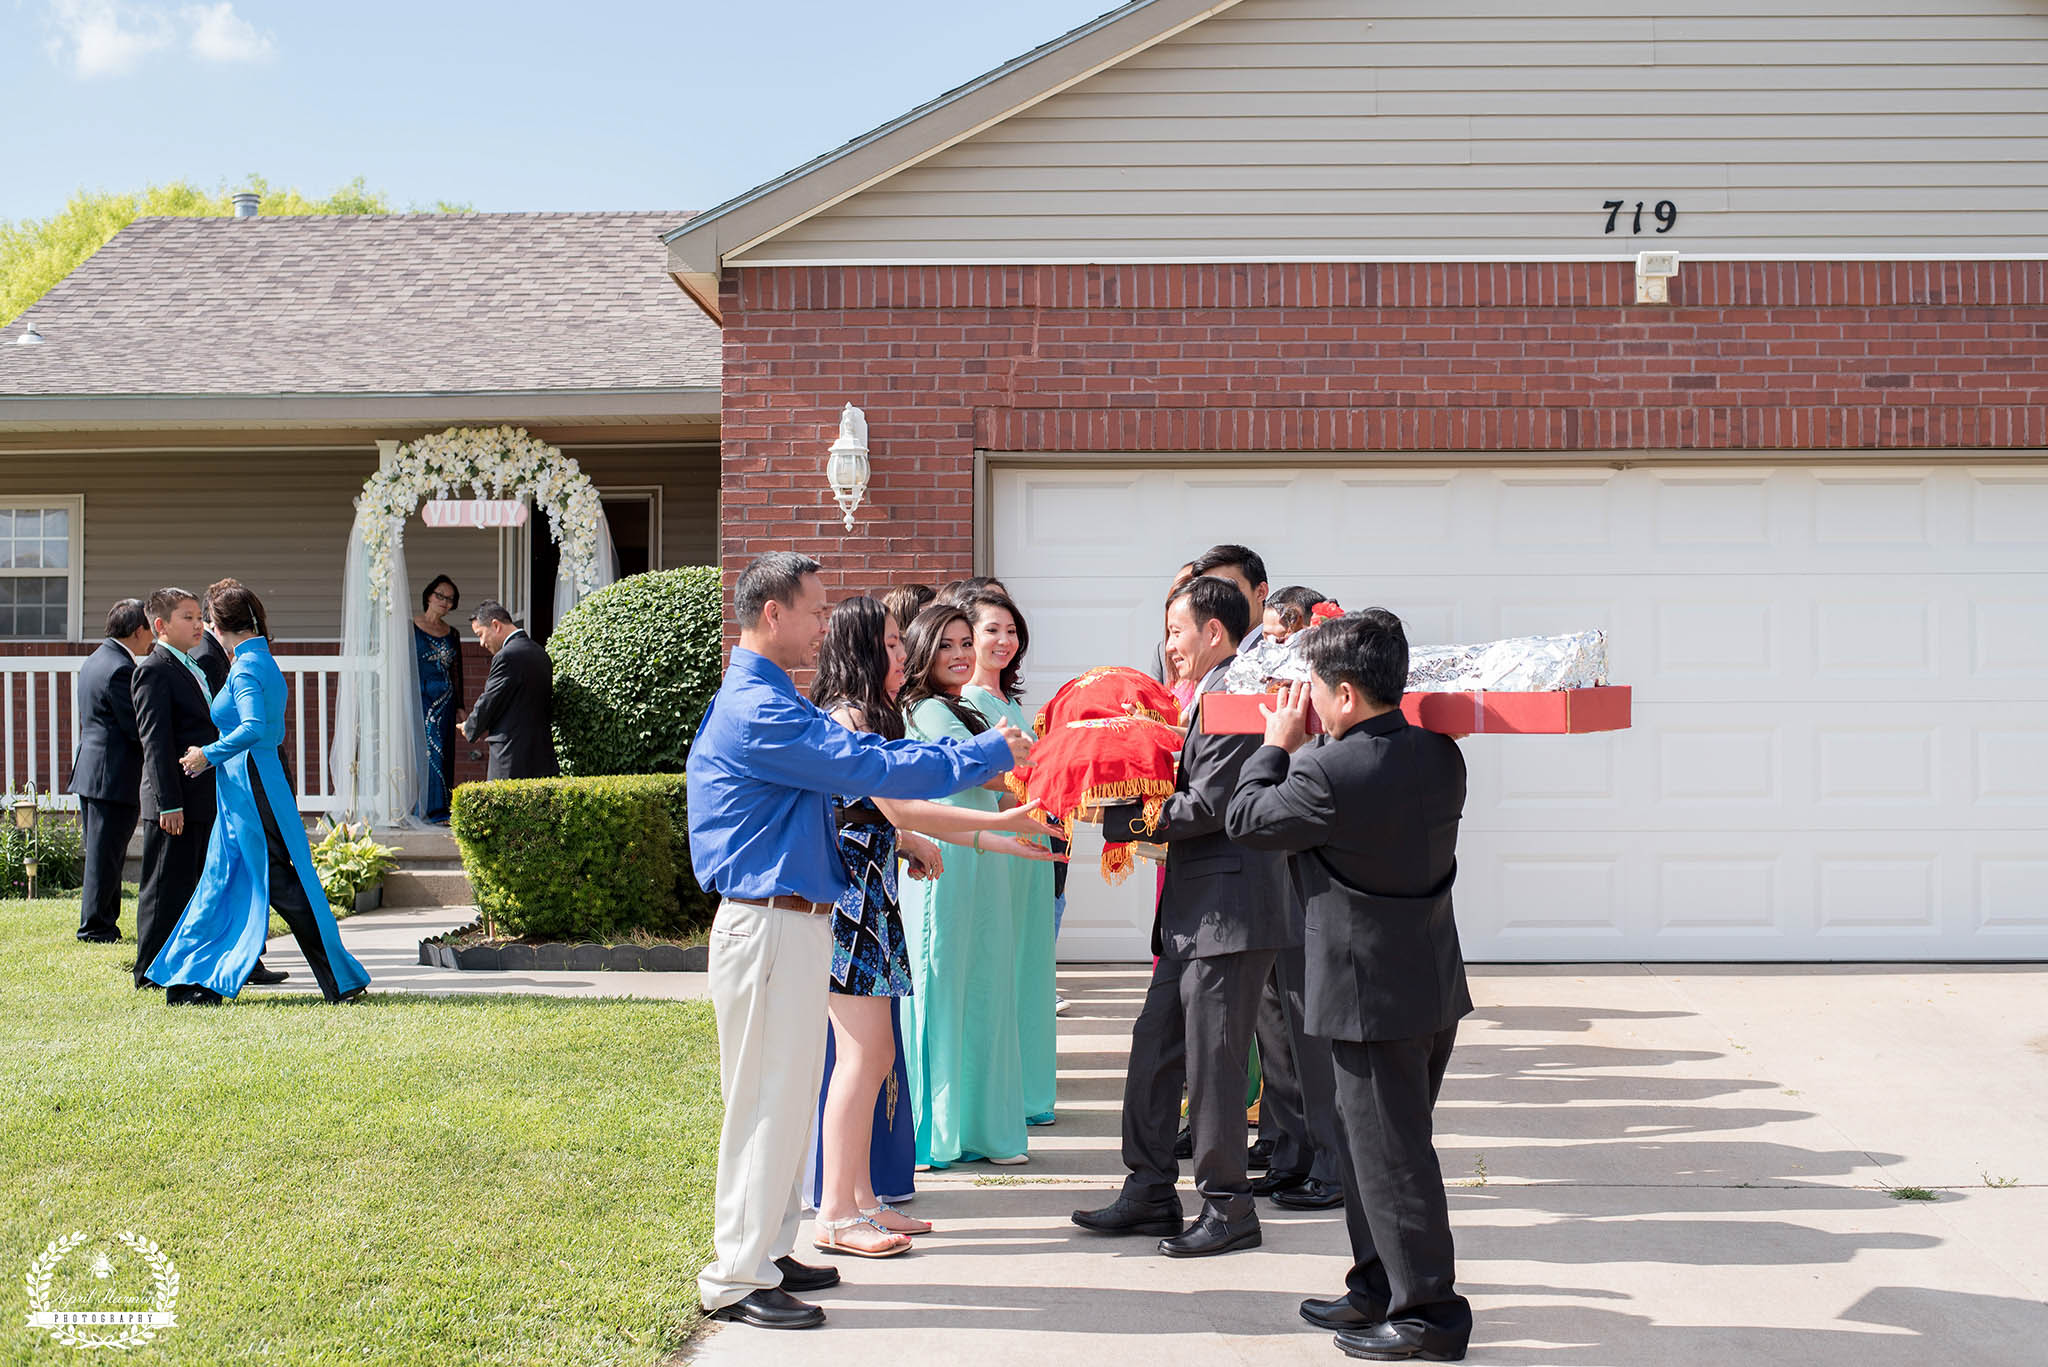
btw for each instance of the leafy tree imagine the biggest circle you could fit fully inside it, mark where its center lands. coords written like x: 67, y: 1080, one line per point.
x: 36, y: 253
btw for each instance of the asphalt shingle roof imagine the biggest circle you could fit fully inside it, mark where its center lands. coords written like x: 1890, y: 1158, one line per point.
x: 399, y: 304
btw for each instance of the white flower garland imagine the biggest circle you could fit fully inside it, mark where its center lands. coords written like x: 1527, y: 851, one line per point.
x: 493, y: 462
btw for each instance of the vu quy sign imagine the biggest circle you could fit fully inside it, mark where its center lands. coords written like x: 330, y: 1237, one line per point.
x: 474, y: 512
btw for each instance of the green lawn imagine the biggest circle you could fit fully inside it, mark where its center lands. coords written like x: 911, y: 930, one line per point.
x: 410, y: 1181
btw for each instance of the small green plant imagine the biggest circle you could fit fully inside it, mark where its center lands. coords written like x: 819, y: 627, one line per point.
x: 1991, y: 1181
x: 1478, y: 1177
x: 349, y: 860
x: 1911, y: 1194
x: 56, y: 844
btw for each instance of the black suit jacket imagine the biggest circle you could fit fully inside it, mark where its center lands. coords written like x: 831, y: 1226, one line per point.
x: 1372, y: 821
x: 517, y: 711
x: 1220, y: 896
x: 108, y: 765
x: 171, y: 716
x: 212, y: 660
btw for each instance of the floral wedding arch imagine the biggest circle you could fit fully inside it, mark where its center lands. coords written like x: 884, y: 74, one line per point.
x: 379, y: 759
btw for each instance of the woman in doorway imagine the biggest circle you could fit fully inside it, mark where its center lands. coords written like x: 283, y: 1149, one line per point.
x: 439, y: 648
x: 257, y: 857
x: 867, y: 1126
x: 1000, y: 641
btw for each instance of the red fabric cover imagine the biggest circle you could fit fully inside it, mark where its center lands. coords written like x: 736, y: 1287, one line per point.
x: 1108, y: 736
x: 1111, y: 691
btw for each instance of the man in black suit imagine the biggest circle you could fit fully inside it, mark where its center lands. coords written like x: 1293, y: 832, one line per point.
x: 1220, y: 917
x: 517, y: 706
x: 1370, y: 816
x: 172, y: 696
x: 106, y: 773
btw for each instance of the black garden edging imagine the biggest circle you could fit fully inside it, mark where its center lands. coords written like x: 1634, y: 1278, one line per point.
x: 581, y: 958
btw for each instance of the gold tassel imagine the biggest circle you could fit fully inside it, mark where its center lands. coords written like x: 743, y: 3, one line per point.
x: 1016, y: 787
x: 1117, y: 863
x: 1155, y: 807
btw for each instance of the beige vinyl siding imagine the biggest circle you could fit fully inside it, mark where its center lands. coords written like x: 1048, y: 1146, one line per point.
x: 1320, y: 129
x: 279, y: 521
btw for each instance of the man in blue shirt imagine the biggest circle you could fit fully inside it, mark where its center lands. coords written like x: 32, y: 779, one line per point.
x: 762, y: 772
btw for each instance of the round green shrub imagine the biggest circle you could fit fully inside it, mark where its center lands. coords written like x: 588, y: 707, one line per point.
x: 635, y: 666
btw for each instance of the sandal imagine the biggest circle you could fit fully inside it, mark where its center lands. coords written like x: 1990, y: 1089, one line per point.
x: 830, y: 1242
x: 882, y: 1209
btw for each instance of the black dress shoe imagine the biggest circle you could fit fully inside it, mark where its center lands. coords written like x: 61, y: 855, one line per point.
x: 1184, y: 1143
x: 1125, y: 1216
x: 99, y: 938
x: 798, y: 1276
x: 1314, y: 1194
x: 1277, y: 1182
x: 191, y: 994
x: 771, y: 1309
x: 1213, y: 1234
x: 1259, y: 1156
x: 1340, y: 1315
x: 266, y: 976
x: 1387, y: 1342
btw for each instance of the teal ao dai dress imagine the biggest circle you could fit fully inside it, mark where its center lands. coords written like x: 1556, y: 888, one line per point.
x: 960, y: 1021
x: 1027, y: 886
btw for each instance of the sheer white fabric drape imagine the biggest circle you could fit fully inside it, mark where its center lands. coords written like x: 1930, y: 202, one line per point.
x: 379, y: 754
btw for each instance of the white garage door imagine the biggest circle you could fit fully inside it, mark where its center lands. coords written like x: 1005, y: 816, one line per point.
x: 1840, y: 747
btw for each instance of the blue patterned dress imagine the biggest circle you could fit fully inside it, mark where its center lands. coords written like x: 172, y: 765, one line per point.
x: 870, y: 959
x: 440, y: 659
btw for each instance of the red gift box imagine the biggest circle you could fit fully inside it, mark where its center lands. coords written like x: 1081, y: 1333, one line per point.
x: 1564, y: 711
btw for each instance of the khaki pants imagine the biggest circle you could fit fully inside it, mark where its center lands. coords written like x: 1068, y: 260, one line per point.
x: 770, y: 973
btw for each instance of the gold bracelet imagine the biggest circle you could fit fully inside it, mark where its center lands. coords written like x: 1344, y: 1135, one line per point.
x: 977, y: 842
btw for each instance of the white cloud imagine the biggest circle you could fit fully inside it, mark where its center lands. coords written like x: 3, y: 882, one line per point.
x: 100, y: 38
x: 112, y: 37
x: 221, y: 35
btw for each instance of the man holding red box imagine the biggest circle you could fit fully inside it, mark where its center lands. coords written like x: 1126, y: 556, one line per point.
x: 1370, y: 815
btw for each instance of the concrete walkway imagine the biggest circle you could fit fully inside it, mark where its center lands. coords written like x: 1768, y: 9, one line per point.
x: 1648, y: 1165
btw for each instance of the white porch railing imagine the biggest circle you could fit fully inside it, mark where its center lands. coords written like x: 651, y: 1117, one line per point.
x: 39, y: 724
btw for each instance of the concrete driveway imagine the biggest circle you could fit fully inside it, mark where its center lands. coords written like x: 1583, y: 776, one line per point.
x: 1648, y: 1165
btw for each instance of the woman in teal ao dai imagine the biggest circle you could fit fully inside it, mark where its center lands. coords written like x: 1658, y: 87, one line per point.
x: 1000, y: 640
x: 258, y: 857
x: 960, y: 1035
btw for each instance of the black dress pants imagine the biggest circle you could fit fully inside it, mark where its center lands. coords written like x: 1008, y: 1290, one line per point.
x: 288, y: 898
x: 1195, y: 1028
x: 171, y: 867
x: 1298, y: 1107
x: 107, y: 828
x: 1395, y: 1209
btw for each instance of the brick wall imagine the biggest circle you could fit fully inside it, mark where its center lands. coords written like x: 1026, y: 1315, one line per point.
x: 1338, y: 358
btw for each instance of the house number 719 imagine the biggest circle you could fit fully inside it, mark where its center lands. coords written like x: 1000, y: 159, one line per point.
x: 1666, y: 214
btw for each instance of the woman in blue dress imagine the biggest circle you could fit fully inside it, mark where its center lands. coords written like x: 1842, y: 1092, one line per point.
x: 257, y: 857
x: 439, y: 650
x: 867, y: 1130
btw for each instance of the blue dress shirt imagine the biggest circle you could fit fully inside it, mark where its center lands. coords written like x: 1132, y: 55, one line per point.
x: 764, y: 768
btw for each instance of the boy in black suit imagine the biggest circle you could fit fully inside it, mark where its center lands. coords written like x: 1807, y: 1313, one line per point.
x: 1371, y: 815
x: 106, y: 773
x: 172, y: 698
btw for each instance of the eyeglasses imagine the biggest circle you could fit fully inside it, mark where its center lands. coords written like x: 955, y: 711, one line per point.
x: 447, y: 598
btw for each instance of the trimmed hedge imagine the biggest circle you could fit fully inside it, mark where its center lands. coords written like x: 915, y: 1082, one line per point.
x: 636, y: 664
x: 581, y: 858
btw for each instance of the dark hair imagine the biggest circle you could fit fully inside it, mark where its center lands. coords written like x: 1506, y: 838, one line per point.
x: 853, y: 666
x: 1368, y: 650
x: 126, y: 618
x: 164, y: 602
x: 995, y: 598
x: 1243, y: 559
x: 906, y: 602
x: 962, y: 591
x: 776, y: 577
x: 921, y: 643
x: 427, y: 593
x: 491, y: 610
x: 1293, y: 605
x: 233, y: 606
x: 1211, y: 599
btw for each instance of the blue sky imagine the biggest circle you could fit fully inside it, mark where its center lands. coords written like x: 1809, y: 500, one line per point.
x: 599, y: 104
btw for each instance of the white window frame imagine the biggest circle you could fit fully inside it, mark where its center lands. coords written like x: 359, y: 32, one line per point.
x: 75, y: 555
x: 650, y: 494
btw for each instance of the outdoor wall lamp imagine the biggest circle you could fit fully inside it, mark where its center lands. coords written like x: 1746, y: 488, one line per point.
x: 846, y: 469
